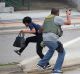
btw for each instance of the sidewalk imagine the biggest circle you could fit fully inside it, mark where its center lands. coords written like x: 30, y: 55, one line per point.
x: 19, y: 15
x: 12, y: 20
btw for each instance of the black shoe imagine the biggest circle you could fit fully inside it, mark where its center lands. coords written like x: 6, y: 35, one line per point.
x: 17, y: 51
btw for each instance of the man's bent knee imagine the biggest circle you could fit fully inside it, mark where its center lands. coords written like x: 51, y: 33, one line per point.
x: 60, y: 47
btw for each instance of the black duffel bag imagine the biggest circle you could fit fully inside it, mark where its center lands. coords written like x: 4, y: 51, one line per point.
x: 19, y: 41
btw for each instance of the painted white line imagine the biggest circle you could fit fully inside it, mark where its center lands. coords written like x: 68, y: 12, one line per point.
x: 71, y: 42
x: 35, y: 57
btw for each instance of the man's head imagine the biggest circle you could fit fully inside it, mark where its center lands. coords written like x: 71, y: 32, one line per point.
x: 27, y: 20
x: 55, y: 11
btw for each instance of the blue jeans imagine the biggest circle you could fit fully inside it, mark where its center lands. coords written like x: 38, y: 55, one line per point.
x: 52, y: 45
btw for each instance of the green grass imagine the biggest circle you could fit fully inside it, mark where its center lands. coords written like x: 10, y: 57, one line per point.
x: 9, y: 64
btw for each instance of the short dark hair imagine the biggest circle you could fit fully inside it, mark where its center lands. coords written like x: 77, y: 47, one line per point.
x: 27, y: 19
x: 54, y: 11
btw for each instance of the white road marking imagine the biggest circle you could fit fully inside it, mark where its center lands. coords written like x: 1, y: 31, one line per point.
x: 25, y: 61
x: 71, y: 42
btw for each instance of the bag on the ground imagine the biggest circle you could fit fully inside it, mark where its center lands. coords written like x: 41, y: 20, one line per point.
x: 19, y: 41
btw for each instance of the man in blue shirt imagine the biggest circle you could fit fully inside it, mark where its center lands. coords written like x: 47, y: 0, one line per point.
x: 34, y: 29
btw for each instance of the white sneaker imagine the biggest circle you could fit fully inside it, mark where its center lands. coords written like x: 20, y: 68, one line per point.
x: 39, y: 68
x: 56, y: 72
x: 48, y: 66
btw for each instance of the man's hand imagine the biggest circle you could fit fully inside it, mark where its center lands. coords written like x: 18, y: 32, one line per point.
x: 68, y: 11
x: 68, y: 16
x: 21, y: 31
x: 28, y: 31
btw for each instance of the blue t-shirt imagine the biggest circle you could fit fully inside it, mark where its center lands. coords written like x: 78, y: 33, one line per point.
x: 35, y: 26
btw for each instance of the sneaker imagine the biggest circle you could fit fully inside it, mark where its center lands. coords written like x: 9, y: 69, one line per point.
x: 17, y: 51
x: 56, y: 72
x: 40, y: 68
x: 48, y: 66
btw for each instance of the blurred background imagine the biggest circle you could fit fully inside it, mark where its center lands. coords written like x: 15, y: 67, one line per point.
x: 40, y: 4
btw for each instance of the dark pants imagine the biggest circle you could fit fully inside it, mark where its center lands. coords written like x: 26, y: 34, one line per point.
x: 60, y: 47
x: 37, y: 39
